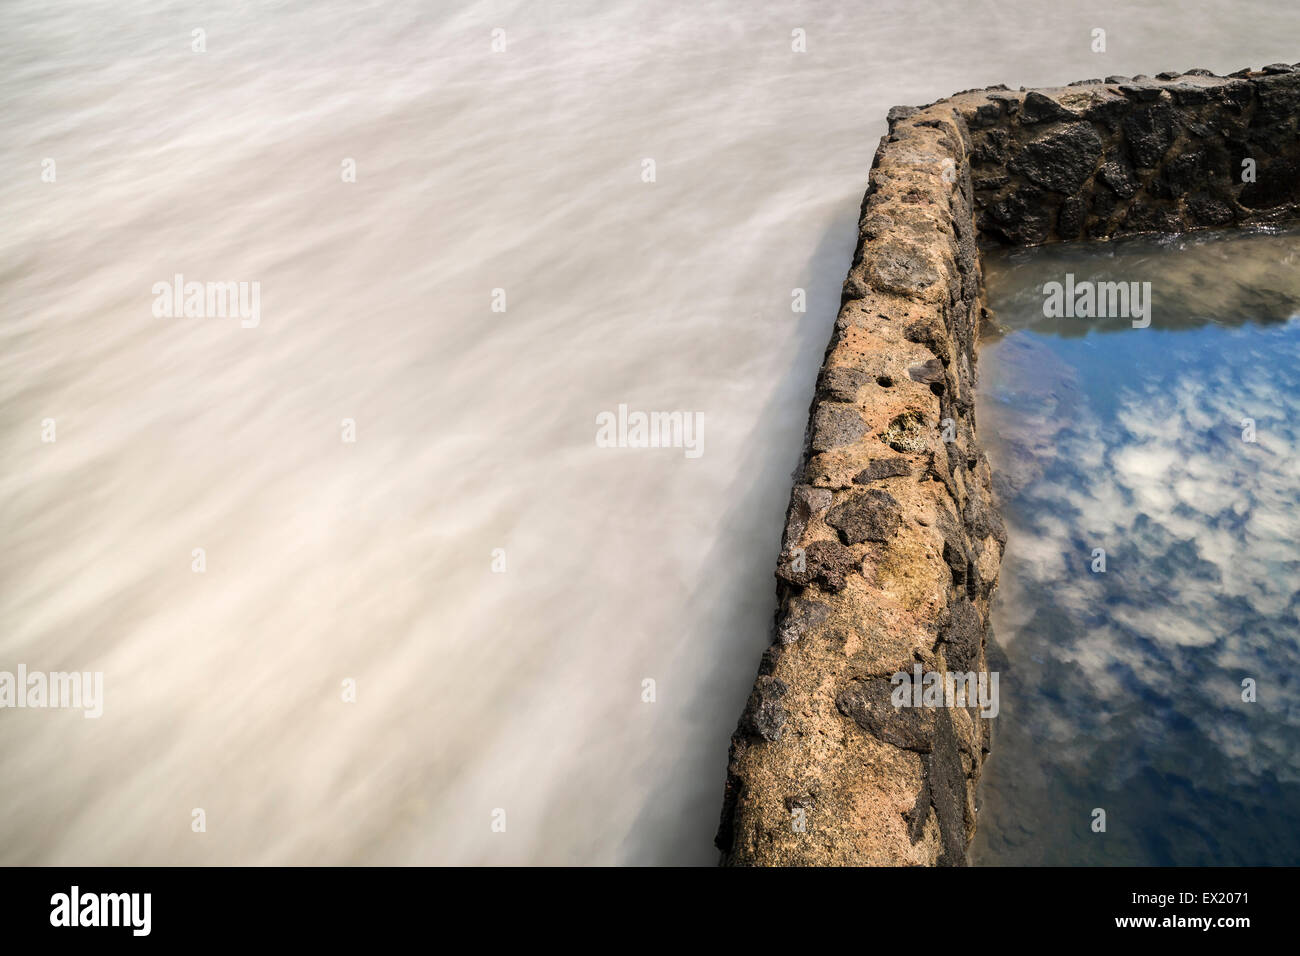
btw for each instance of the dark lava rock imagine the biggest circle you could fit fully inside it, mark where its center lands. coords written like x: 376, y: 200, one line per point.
x: 1275, y: 68
x: 869, y: 516
x: 1039, y: 108
x: 835, y: 426
x: 897, y: 113
x: 1142, y: 92
x: 805, y: 502
x: 1109, y: 110
x: 1208, y: 211
x: 1120, y: 178
x: 764, y: 716
x: 984, y: 115
x: 1061, y: 159
x: 883, y: 468
x: 1070, y: 222
x: 1276, y: 183
x: 1236, y: 96
x: 1020, y: 216
x: 962, y: 636
x: 984, y: 520
x: 867, y: 703
x: 928, y: 373
x: 1279, y: 99
x: 1184, y: 173
x: 988, y: 153
x: 841, y: 384
x: 1147, y: 217
x: 825, y: 562
x: 1011, y: 101
x: 1188, y: 94
x: 946, y: 781
x: 1148, y: 133
x: 1104, y: 205
x: 955, y: 553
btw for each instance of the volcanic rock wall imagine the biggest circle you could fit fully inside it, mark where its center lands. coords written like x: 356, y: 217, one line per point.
x: 892, y: 541
x: 1098, y: 159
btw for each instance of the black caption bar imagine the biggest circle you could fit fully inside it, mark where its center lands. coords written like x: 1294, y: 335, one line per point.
x: 302, y: 905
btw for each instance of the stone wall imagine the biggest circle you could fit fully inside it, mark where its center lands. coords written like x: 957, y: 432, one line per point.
x: 1099, y: 159
x: 892, y: 541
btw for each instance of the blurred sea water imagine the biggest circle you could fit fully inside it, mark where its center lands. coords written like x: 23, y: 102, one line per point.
x: 372, y: 561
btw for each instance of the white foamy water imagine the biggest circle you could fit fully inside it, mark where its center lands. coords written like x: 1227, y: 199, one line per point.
x: 371, y: 561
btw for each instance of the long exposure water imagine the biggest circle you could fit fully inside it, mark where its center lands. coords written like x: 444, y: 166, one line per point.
x: 498, y: 587
x: 1159, y: 686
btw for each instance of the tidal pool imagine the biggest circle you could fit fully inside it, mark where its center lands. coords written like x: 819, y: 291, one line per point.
x: 1172, y: 449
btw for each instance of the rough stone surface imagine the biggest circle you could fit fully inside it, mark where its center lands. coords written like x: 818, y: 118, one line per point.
x: 870, y: 516
x: 764, y: 716
x: 1061, y: 158
x: 883, y: 468
x: 836, y: 425
x: 892, y: 540
x: 1135, y: 155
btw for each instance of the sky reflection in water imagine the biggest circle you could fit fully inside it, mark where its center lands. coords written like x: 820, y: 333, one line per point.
x: 1123, y: 690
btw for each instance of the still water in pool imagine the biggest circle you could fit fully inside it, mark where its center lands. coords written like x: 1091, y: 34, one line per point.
x: 1146, y: 627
